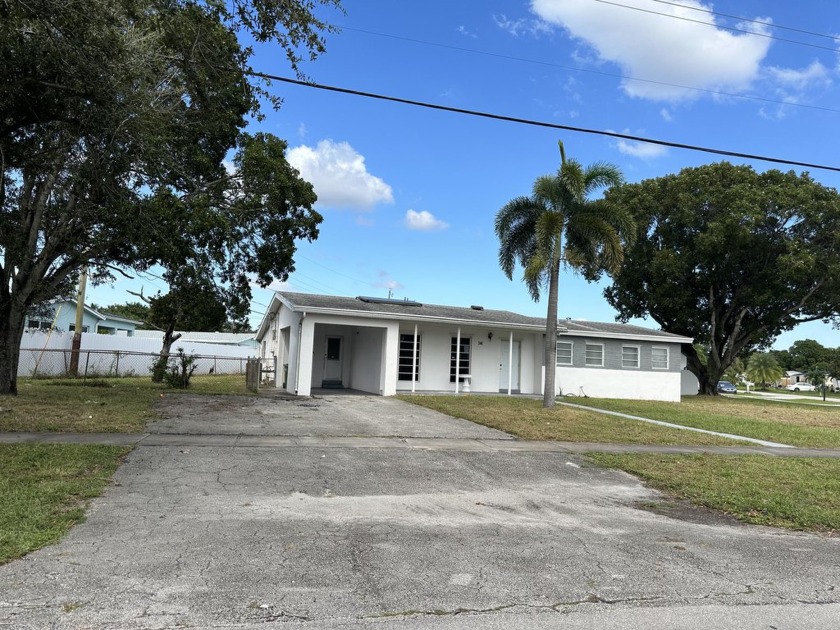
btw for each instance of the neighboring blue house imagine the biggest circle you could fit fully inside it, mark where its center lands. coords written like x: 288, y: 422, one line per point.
x: 60, y: 315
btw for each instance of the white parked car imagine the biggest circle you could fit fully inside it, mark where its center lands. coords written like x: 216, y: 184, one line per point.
x: 801, y: 387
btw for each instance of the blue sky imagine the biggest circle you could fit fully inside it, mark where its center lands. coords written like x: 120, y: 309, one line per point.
x: 409, y: 194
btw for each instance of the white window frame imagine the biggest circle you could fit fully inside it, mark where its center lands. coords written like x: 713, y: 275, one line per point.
x: 653, y: 365
x: 571, y: 345
x: 586, y: 361
x: 638, y: 363
x: 464, y: 356
x: 406, y: 376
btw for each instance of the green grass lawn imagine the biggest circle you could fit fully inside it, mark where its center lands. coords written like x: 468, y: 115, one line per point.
x: 526, y: 418
x: 793, y: 492
x: 44, y: 490
x: 112, y: 405
x: 784, y: 422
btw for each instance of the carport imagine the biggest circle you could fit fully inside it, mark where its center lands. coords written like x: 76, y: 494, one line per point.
x: 346, y: 356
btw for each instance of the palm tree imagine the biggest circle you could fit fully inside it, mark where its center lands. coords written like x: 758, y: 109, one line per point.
x: 763, y: 368
x: 558, y: 223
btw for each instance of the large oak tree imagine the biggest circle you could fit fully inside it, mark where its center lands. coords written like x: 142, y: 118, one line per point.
x: 730, y: 257
x: 116, y: 118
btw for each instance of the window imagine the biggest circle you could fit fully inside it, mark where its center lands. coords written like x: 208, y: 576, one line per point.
x: 333, y: 348
x: 34, y: 324
x: 404, y: 368
x: 594, y: 355
x: 630, y: 356
x: 564, y: 353
x: 463, y: 359
x: 659, y: 358
x: 72, y: 328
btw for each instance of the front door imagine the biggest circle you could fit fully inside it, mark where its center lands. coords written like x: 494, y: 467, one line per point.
x: 332, y: 359
x: 505, y: 376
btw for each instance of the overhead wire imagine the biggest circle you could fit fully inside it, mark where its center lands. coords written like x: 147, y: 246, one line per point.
x: 750, y: 21
x: 612, y: 75
x: 720, y: 26
x: 549, y: 125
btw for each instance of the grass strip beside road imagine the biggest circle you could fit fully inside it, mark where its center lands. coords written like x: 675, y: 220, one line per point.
x: 526, y: 418
x: 792, y: 492
x: 783, y: 422
x: 102, y: 405
x: 45, y: 488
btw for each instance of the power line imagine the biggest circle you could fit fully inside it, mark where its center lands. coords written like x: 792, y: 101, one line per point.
x: 748, y: 20
x: 727, y: 28
x: 537, y: 123
x: 612, y: 75
x: 338, y: 273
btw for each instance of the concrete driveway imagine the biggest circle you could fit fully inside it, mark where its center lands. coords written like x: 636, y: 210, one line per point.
x: 340, y: 536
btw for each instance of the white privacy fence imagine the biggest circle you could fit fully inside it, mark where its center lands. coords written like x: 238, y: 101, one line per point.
x: 45, y: 354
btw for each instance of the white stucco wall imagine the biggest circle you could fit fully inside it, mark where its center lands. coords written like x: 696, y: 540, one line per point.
x: 485, y: 358
x: 633, y: 385
x: 366, y: 360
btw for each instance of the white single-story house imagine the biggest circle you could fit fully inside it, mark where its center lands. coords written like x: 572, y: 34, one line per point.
x: 385, y: 346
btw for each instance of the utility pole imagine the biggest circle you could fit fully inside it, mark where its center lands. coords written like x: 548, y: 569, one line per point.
x: 77, y: 335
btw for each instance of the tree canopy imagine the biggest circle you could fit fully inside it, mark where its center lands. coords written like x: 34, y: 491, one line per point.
x: 730, y: 257
x: 117, y: 121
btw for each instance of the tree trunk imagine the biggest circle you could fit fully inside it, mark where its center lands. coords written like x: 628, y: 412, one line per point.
x: 11, y: 333
x: 706, y: 375
x: 163, y: 358
x: 549, y: 392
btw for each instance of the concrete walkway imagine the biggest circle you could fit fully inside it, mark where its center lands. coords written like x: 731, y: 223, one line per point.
x: 368, y: 513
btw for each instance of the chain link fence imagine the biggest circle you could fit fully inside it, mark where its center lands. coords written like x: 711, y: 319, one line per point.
x: 40, y: 362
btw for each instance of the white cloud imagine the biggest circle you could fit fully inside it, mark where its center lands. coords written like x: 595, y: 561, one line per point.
x: 814, y: 74
x: 666, y: 115
x: 464, y: 31
x: 386, y: 281
x: 522, y: 26
x: 642, y: 150
x: 637, y: 149
x: 662, y: 49
x: 339, y: 175
x: 423, y: 221
x: 792, y: 87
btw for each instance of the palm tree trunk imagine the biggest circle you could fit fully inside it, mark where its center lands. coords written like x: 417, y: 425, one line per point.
x: 549, y: 392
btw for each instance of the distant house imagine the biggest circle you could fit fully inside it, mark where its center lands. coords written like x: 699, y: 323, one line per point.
x: 385, y: 347
x: 60, y: 315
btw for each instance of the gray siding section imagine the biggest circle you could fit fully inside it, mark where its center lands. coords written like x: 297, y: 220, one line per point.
x: 613, y: 353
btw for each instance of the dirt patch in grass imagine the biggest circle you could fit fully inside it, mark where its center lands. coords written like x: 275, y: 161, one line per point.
x: 114, y: 405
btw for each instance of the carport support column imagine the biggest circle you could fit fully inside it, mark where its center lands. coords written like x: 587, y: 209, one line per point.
x: 510, y: 364
x: 390, y: 359
x: 305, y: 349
x: 414, y: 363
x: 457, y: 358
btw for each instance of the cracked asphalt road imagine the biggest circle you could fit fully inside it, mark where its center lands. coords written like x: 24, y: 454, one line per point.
x: 352, y: 537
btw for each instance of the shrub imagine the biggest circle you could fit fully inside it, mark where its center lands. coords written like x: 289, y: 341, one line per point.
x: 180, y: 369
